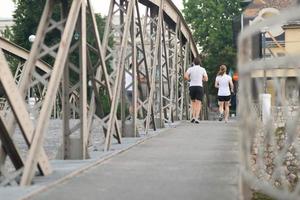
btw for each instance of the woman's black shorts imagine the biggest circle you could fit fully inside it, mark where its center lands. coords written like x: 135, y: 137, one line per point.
x: 224, y: 98
x: 196, y: 93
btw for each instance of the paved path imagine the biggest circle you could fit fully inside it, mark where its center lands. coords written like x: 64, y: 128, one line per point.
x: 191, y: 161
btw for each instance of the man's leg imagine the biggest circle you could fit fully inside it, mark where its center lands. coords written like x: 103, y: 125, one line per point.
x: 130, y: 109
x: 199, y: 104
x: 193, y: 105
x: 130, y: 102
x: 198, y: 108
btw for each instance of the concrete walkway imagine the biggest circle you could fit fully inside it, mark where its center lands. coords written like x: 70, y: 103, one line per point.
x: 191, y: 161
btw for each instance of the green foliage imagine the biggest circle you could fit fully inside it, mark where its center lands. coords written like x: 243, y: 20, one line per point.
x: 7, y: 33
x: 211, y: 22
x: 261, y: 196
x: 26, y: 18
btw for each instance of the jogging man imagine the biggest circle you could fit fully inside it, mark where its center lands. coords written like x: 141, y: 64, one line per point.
x: 196, y: 75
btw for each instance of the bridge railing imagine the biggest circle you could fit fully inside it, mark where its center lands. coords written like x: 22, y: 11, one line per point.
x: 269, y: 114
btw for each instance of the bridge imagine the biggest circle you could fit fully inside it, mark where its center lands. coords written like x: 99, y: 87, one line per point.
x: 66, y: 127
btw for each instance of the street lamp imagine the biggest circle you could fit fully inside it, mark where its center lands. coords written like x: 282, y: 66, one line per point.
x: 245, y: 3
x: 31, y: 99
x: 31, y: 38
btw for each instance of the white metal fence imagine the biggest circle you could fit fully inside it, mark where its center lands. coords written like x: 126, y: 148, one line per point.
x: 270, y: 128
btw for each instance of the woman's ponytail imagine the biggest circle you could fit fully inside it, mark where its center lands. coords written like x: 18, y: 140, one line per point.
x: 222, y: 70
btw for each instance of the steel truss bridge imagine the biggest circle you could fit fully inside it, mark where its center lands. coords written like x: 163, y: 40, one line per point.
x: 85, y: 76
x: 82, y: 84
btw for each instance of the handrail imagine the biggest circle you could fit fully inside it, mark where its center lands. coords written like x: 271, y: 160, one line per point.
x: 16, y: 50
x: 173, y: 13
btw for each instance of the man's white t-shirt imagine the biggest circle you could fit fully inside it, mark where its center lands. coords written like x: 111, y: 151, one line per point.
x: 196, y: 74
x: 128, y: 81
x: 223, y: 80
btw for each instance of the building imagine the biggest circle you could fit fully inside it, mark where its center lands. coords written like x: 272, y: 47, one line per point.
x: 269, y: 39
x: 5, y: 23
x: 271, y: 42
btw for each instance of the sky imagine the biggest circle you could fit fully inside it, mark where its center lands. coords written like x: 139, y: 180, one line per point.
x: 7, y: 7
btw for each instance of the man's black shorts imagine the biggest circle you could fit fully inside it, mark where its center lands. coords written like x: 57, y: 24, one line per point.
x: 129, y: 96
x: 224, y: 98
x: 196, y: 93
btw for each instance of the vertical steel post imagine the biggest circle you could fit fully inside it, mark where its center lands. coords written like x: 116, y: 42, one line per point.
x: 135, y: 75
x: 83, y: 83
x: 123, y: 89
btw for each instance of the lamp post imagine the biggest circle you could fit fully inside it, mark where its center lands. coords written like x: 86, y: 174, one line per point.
x: 265, y: 98
x: 31, y: 99
x: 244, y: 4
x: 31, y: 39
x: 263, y: 42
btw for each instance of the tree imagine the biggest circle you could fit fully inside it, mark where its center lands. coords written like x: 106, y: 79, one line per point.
x: 27, y: 17
x: 211, y: 22
x: 26, y: 22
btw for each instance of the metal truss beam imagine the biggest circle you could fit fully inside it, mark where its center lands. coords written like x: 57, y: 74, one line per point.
x: 159, y: 51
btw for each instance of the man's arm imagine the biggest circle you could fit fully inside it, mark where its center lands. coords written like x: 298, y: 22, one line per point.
x: 187, y: 76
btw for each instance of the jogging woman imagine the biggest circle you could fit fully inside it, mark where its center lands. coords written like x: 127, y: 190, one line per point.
x: 225, y: 85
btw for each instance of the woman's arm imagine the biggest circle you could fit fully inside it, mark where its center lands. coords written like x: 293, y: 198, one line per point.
x: 231, y: 86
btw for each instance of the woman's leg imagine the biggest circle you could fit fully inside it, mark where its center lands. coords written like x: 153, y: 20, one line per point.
x: 226, y: 113
x: 221, y: 110
x: 221, y: 107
